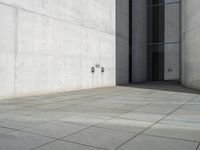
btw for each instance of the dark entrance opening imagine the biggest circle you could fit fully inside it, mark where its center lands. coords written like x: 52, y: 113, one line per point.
x: 157, y: 66
x: 155, y: 48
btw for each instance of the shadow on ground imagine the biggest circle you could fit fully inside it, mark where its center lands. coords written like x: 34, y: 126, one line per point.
x: 171, y: 86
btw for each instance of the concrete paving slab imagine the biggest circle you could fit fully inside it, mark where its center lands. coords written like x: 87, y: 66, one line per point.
x: 198, y: 147
x: 4, y: 130
x: 8, y: 115
x: 160, y: 94
x: 101, y: 118
x: 143, y: 142
x: 9, y: 107
x: 195, y: 100
x: 93, y: 110
x: 21, y: 122
x: 184, y: 96
x: 115, y: 103
x: 51, y: 115
x: 156, y: 110
x: 25, y: 111
x: 99, y: 137
x: 62, y: 145
x: 55, y: 129
x: 142, y: 116
x: 85, y: 119
x: 183, y: 117
x: 125, y: 125
x: 186, y: 132
x: 192, y: 107
x: 53, y: 106
x: 22, y: 141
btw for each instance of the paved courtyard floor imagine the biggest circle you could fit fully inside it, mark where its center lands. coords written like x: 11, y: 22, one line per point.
x: 149, y: 116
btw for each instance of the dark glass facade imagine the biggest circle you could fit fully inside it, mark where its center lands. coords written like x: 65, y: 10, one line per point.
x: 156, y: 24
x: 155, y: 62
x: 154, y: 2
x: 163, y: 40
x: 155, y: 42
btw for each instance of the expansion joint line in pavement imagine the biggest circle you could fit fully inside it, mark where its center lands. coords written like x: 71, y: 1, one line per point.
x: 198, y: 146
x: 156, y: 123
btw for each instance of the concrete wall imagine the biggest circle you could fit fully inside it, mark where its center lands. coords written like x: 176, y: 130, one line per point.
x: 139, y: 48
x: 122, y: 41
x: 191, y: 43
x: 50, y: 45
x: 172, y: 40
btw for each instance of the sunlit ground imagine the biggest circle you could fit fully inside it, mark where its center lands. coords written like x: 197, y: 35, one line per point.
x: 141, y: 117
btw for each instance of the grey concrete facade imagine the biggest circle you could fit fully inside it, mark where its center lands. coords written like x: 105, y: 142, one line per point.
x: 122, y: 41
x: 191, y: 43
x: 139, y: 40
x: 172, y: 40
x: 49, y: 46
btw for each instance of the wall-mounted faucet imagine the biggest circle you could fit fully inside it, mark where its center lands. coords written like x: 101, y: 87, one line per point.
x: 97, y: 66
x: 92, y: 69
x: 102, y: 69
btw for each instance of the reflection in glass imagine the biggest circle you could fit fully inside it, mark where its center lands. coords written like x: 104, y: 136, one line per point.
x: 163, y: 40
x: 156, y: 24
x: 155, y: 62
x: 155, y: 2
x: 172, y: 23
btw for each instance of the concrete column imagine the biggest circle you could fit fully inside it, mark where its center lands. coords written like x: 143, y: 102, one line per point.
x: 172, y: 40
x: 122, y: 42
x: 191, y: 43
x: 139, y: 35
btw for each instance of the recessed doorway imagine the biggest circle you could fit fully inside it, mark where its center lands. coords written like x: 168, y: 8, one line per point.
x: 163, y: 44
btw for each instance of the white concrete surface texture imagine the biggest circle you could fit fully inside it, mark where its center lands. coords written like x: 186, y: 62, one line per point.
x: 50, y: 45
x: 191, y: 43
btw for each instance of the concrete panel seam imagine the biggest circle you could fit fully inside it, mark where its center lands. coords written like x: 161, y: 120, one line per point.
x: 55, y: 18
x: 16, y: 49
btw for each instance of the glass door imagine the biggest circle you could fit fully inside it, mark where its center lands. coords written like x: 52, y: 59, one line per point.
x: 163, y: 42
